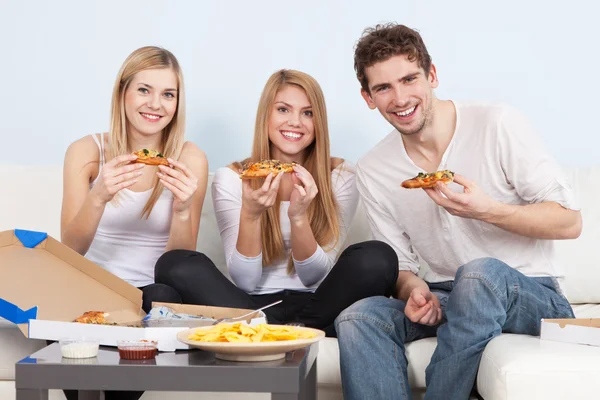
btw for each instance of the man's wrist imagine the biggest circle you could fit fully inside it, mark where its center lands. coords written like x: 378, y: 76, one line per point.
x: 499, y: 212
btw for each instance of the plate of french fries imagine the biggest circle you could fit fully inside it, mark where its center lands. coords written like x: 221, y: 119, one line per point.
x: 242, y: 342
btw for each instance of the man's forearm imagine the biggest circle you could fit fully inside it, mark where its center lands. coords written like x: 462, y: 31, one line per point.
x: 405, y: 284
x: 541, y: 221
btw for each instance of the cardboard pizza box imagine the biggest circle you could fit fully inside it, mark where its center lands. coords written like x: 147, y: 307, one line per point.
x: 575, y: 330
x: 45, y: 285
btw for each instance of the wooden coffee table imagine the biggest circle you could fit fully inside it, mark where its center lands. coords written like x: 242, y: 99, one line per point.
x: 294, y: 377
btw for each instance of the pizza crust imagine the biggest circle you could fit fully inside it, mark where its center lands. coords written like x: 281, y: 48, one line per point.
x: 152, y: 161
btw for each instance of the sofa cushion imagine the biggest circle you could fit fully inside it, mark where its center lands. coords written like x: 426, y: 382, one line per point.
x: 31, y: 198
x: 586, y: 310
x: 578, y: 257
x: 520, y: 367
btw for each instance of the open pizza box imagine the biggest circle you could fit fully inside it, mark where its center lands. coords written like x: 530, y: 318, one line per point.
x: 576, y: 330
x: 44, y: 285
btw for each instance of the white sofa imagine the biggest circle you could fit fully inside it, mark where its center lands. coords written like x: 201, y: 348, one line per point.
x: 513, y: 367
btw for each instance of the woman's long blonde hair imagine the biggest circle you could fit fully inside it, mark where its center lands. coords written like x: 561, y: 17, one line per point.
x: 144, y: 58
x: 322, y: 212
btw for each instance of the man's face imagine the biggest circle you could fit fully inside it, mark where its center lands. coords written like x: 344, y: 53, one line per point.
x: 402, y: 93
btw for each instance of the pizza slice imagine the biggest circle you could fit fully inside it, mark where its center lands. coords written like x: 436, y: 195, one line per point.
x: 423, y: 180
x: 262, y: 169
x: 150, y: 157
x: 92, y: 317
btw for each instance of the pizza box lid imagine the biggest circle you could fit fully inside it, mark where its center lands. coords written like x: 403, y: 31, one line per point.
x: 43, y: 279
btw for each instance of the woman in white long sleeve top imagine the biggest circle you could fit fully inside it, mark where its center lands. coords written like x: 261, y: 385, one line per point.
x: 282, y: 235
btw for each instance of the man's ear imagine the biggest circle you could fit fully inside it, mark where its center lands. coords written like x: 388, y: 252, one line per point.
x: 368, y: 99
x: 433, y: 78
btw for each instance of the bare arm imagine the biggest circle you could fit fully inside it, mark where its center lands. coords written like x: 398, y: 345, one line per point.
x: 189, y: 178
x: 422, y: 306
x: 81, y: 212
x: 82, y: 208
x: 541, y: 221
x: 407, y: 281
x: 546, y: 220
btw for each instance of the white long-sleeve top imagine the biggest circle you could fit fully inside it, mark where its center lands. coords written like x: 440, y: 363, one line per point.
x: 248, y: 273
x: 494, y: 146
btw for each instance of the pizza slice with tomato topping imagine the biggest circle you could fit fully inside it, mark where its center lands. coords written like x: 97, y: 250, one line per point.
x: 428, y: 180
x: 262, y: 169
x: 150, y: 157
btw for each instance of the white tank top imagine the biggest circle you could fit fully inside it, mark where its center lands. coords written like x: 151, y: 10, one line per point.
x: 126, y: 244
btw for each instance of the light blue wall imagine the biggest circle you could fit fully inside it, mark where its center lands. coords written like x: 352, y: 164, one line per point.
x: 59, y: 60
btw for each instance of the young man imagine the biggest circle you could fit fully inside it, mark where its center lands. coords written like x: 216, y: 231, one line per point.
x: 487, y: 237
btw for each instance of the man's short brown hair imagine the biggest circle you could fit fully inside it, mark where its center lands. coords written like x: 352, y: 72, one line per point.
x: 385, y: 41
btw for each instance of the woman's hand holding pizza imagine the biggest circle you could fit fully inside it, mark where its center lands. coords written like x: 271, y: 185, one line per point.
x: 117, y: 174
x: 472, y: 203
x: 423, y: 307
x: 305, y: 190
x: 255, y: 202
x: 181, y: 182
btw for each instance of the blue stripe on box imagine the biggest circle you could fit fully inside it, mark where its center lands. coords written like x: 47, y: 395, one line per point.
x: 30, y: 239
x: 14, y: 314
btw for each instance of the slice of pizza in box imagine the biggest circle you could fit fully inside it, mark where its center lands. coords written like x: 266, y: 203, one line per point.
x: 45, y: 286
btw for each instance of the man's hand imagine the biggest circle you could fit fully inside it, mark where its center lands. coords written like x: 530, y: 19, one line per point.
x: 423, y: 307
x: 472, y: 203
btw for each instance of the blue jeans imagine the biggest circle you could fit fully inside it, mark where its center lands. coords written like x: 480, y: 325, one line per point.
x: 486, y: 298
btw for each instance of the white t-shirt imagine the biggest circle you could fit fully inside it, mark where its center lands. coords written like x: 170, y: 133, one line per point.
x: 248, y: 273
x: 493, y: 146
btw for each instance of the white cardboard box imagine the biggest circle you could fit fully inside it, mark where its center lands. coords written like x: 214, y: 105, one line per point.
x: 576, y: 330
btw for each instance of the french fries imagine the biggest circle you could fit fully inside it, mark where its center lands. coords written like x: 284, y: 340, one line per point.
x: 241, y: 333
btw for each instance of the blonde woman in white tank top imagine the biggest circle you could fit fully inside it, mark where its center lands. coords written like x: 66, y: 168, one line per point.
x: 124, y: 215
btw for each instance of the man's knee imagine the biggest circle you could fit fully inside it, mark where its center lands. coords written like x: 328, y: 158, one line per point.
x: 372, y: 309
x: 486, y: 268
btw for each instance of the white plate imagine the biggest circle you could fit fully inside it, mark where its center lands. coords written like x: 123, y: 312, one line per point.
x: 260, y: 351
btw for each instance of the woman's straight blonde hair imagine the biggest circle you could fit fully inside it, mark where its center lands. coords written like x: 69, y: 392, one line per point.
x: 144, y: 58
x: 322, y: 212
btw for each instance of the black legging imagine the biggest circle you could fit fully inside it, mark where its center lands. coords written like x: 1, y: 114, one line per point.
x: 363, y: 270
